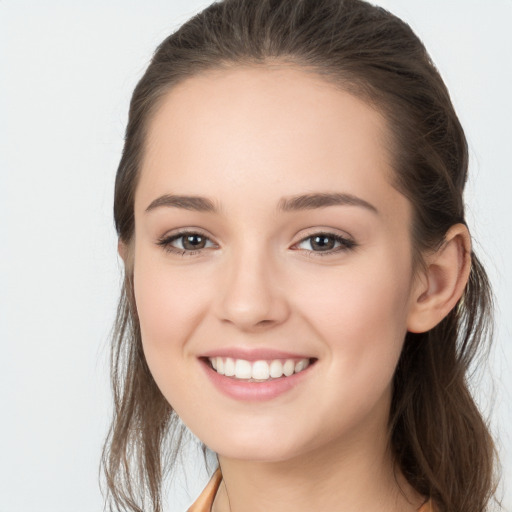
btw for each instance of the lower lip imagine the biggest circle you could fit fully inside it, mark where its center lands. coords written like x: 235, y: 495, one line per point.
x: 254, y: 391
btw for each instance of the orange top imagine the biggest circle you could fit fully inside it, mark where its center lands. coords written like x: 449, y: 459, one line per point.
x: 205, y: 501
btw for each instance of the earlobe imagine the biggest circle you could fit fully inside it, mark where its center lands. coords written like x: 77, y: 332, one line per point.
x: 447, y: 272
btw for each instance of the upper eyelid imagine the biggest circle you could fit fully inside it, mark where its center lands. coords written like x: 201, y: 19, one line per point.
x: 175, y: 234
x: 165, y: 241
x: 309, y: 232
x: 346, y: 242
x: 327, y: 234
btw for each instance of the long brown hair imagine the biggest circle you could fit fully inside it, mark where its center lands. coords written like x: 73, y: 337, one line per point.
x: 440, y: 441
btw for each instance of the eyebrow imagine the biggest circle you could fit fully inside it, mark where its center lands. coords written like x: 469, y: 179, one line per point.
x: 287, y: 204
x: 322, y: 200
x: 195, y: 203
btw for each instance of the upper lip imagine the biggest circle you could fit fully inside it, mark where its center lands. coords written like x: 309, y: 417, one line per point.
x: 253, y: 354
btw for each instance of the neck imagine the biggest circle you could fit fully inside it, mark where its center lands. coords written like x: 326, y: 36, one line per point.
x: 348, y: 475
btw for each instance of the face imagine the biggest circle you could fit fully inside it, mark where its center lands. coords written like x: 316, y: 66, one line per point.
x: 269, y: 239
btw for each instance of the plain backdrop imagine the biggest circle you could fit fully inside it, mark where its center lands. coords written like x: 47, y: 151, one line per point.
x: 67, y: 70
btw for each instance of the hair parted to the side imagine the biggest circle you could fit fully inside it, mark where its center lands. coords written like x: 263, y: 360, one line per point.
x: 439, y: 439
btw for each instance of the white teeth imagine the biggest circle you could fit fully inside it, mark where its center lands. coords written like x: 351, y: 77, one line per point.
x: 229, y: 367
x: 288, y: 367
x: 276, y: 369
x: 300, y: 366
x: 258, y: 370
x: 243, y: 369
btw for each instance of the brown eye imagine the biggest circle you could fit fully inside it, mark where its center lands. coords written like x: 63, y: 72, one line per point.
x: 193, y: 242
x: 322, y: 243
x: 185, y: 243
x: 327, y: 243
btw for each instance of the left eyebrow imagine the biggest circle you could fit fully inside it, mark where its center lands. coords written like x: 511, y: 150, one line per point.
x: 323, y: 200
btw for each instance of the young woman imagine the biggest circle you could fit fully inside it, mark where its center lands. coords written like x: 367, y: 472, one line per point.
x: 300, y: 287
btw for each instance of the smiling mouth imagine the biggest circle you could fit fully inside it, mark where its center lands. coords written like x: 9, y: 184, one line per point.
x: 258, y: 371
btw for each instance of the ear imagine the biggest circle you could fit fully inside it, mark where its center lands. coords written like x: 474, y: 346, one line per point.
x: 441, y: 285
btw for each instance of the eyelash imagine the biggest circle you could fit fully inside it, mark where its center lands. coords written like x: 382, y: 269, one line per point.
x: 345, y: 244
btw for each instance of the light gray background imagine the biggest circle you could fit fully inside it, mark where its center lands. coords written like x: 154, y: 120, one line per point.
x: 67, y: 70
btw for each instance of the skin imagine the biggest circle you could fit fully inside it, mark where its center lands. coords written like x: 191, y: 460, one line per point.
x: 247, y: 138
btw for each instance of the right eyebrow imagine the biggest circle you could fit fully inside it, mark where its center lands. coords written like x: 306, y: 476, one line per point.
x: 195, y: 203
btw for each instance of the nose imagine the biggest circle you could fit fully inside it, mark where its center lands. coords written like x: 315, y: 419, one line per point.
x: 251, y: 296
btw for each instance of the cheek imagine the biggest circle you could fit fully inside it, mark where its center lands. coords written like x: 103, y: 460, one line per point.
x: 170, y: 306
x: 170, y: 303
x: 368, y: 297
x: 361, y: 314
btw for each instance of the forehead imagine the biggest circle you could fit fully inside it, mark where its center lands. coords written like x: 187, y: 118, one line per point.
x: 274, y: 128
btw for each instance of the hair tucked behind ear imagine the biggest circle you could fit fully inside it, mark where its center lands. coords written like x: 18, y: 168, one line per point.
x: 440, y: 441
